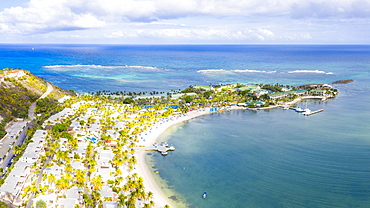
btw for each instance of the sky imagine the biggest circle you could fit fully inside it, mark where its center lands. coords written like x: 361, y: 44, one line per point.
x: 185, y: 21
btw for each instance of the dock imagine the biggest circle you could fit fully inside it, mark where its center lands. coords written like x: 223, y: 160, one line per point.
x: 312, y: 112
x: 163, y: 148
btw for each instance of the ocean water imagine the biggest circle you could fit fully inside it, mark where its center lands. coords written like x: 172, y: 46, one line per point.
x: 86, y: 68
x: 272, y: 158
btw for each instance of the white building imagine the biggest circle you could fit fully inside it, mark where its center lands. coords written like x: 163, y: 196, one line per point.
x: 16, y: 73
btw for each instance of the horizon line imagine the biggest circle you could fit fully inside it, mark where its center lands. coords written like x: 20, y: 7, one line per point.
x: 194, y: 44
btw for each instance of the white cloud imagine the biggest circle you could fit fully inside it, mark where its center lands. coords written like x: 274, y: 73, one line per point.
x: 331, y: 9
x: 4, y: 28
x: 186, y: 34
x: 44, y: 16
x: 213, y: 20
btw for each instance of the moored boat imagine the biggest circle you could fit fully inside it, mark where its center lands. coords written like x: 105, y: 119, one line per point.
x: 299, y: 110
x: 204, y: 195
x: 172, y: 148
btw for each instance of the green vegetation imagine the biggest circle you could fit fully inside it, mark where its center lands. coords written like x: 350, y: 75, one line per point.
x: 3, y: 205
x: 41, y: 204
x: 2, y: 126
x: 15, y: 100
x: 57, y: 128
x: 255, y: 96
x: 18, y: 93
x: 47, y: 106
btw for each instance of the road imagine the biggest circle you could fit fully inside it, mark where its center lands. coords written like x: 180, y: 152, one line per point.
x: 31, y: 110
x: 39, y: 177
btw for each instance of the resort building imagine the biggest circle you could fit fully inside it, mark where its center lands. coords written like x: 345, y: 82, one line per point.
x: 21, y: 174
x: 57, y: 117
x: 16, y: 73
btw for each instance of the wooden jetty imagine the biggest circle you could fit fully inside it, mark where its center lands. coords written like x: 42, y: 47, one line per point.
x: 312, y: 112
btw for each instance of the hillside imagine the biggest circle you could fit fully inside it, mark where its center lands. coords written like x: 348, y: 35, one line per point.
x: 18, y: 90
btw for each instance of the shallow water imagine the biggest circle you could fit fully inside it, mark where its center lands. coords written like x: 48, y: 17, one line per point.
x: 138, y: 68
x: 273, y: 158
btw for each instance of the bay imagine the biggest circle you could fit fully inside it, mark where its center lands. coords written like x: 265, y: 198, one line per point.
x: 272, y: 158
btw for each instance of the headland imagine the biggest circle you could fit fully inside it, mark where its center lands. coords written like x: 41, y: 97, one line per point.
x: 91, y: 152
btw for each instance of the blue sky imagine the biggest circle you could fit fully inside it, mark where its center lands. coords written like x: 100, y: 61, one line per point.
x: 186, y: 21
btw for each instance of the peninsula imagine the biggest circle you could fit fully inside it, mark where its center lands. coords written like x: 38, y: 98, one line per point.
x: 90, y: 153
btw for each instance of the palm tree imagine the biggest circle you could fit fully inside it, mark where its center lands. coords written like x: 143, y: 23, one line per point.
x: 121, y: 200
x: 150, y: 195
x: 51, y: 178
x: 18, y: 149
x: 97, y: 182
x: 61, y: 183
x: 68, y: 168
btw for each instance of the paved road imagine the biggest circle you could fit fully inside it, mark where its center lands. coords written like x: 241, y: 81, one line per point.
x: 39, y: 177
x: 31, y: 110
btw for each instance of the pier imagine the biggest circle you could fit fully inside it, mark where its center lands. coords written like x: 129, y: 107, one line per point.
x: 163, y: 148
x: 312, y: 112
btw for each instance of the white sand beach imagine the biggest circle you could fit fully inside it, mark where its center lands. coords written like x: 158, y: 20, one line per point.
x: 142, y: 168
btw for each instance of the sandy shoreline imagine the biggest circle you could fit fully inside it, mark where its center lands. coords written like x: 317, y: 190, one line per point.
x: 142, y: 168
x: 151, y: 137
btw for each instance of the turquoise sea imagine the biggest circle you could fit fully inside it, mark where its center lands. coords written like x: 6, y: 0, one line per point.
x: 272, y: 158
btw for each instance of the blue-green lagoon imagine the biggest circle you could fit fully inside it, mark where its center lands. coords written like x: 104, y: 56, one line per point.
x: 272, y: 158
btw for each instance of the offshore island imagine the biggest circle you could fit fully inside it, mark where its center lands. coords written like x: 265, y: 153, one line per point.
x: 63, y: 149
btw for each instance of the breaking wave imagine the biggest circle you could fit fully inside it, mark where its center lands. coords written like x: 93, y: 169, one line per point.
x: 216, y: 71
x: 253, y: 71
x: 87, y: 67
x: 309, y: 71
x: 209, y: 71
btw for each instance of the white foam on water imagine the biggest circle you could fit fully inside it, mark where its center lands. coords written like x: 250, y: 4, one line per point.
x: 309, y: 71
x: 93, y: 66
x: 253, y: 71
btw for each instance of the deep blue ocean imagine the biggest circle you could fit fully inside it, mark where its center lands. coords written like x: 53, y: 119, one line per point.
x: 272, y: 158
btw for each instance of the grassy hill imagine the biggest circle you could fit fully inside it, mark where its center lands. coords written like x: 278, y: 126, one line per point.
x: 18, y: 90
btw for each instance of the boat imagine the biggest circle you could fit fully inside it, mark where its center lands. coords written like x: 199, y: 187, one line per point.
x: 164, y: 153
x: 299, y: 110
x: 171, y: 148
x: 204, y: 195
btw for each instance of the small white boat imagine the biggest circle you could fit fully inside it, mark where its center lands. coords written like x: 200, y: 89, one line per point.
x: 204, y: 195
x: 172, y: 148
x: 164, y: 153
x: 299, y: 110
